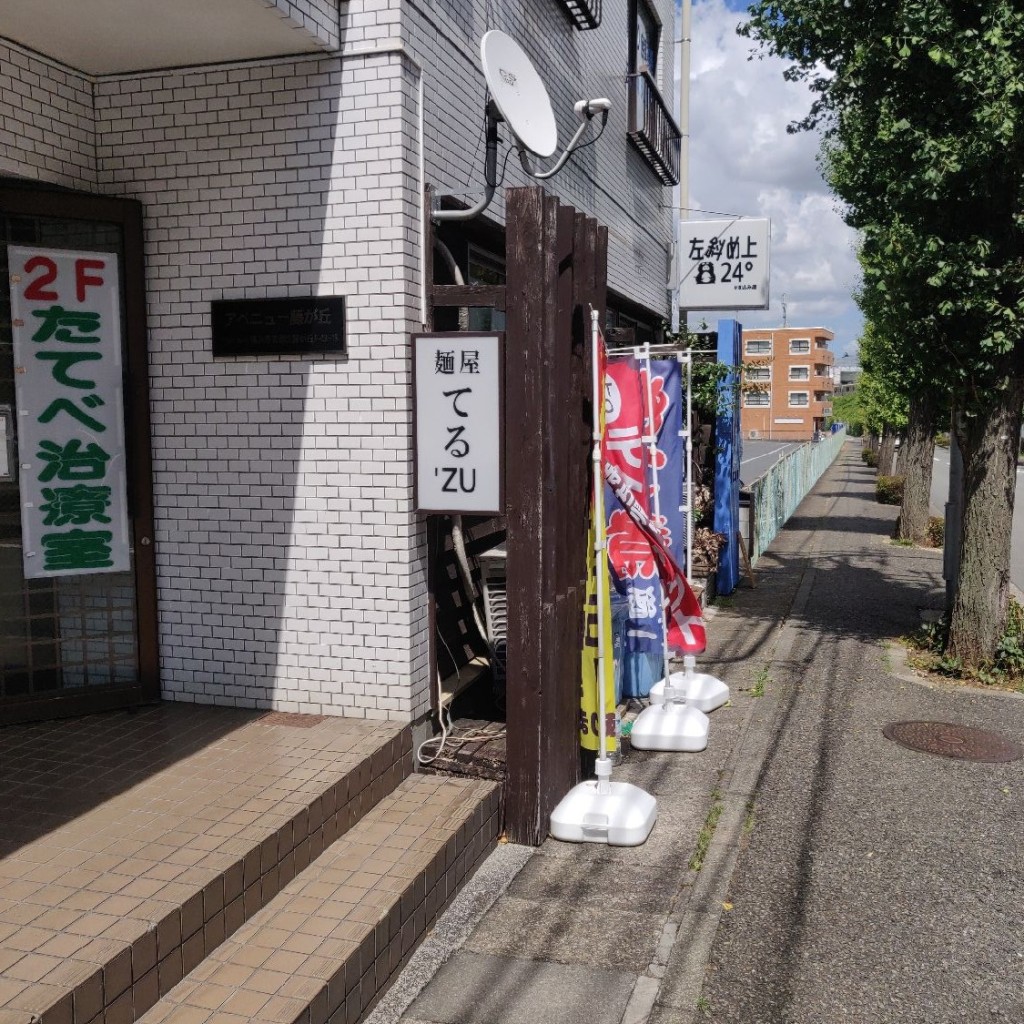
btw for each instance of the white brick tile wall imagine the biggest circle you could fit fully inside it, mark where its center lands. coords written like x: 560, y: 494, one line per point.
x: 321, y: 18
x: 46, y: 121
x: 609, y: 180
x: 285, y: 539
x: 291, y: 568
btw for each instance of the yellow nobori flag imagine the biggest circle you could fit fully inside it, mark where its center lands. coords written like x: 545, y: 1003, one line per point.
x: 597, y: 562
x: 589, y: 698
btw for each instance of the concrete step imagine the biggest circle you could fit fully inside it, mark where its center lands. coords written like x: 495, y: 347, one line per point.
x: 135, y: 844
x: 324, y: 949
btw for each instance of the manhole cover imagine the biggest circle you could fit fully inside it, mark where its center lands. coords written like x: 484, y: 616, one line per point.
x: 287, y: 718
x: 948, y: 739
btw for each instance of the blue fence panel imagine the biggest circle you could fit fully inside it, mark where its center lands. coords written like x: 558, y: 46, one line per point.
x: 775, y: 496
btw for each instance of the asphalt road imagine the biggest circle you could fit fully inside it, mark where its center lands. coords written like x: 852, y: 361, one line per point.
x: 760, y: 456
x: 876, y: 885
x: 940, y: 490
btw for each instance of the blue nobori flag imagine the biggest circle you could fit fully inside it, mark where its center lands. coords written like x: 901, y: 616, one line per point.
x: 671, y: 456
x: 636, y: 584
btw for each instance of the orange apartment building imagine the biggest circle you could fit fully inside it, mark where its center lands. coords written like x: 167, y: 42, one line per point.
x: 793, y: 367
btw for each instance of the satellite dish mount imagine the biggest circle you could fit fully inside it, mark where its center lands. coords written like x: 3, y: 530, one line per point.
x: 517, y: 96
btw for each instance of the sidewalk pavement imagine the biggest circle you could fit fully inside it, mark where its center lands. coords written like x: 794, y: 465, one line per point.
x: 848, y: 879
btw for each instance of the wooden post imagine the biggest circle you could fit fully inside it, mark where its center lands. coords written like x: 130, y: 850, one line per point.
x: 745, y: 556
x: 556, y: 262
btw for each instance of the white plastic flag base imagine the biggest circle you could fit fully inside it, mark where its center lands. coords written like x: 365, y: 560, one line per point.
x: 672, y: 726
x: 601, y: 811
x: 699, y: 690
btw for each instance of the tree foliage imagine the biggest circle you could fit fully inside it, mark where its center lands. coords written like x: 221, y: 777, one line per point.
x: 847, y: 409
x: 922, y: 107
x: 884, y: 396
x: 921, y: 103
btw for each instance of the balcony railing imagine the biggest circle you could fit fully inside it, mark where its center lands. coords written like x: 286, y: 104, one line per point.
x: 584, y: 13
x: 652, y: 129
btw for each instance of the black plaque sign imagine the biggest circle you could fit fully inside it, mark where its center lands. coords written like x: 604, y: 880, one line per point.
x: 311, y: 325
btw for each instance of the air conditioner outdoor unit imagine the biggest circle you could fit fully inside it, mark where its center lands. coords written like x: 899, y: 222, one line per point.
x: 492, y: 577
x: 754, y: 435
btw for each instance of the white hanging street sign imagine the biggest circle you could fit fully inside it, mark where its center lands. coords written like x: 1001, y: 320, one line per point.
x: 66, y: 327
x: 457, y: 397
x: 724, y: 264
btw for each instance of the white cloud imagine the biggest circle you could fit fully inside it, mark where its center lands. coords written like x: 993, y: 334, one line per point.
x: 742, y: 160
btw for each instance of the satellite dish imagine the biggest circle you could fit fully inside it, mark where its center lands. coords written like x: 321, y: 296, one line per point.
x: 519, y: 93
x: 516, y: 95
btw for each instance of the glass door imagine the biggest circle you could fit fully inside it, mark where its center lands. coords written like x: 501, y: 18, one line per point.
x: 75, y: 643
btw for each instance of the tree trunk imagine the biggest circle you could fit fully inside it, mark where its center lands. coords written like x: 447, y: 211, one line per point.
x: 916, y: 456
x: 886, y: 451
x: 989, y: 445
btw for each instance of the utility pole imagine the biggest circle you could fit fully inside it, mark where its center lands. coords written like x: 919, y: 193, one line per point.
x: 683, y: 188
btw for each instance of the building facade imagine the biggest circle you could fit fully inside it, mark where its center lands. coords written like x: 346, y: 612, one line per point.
x: 255, y: 149
x: 788, y: 373
x: 846, y: 379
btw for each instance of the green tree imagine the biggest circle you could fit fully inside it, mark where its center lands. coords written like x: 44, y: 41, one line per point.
x: 898, y: 306
x: 922, y: 102
x: 883, y: 398
x: 846, y: 408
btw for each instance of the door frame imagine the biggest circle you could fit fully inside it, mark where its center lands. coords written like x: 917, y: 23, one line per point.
x: 35, y: 200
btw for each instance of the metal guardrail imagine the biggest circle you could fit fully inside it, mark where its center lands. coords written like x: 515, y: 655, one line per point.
x: 774, y: 497
x: 652, y: 129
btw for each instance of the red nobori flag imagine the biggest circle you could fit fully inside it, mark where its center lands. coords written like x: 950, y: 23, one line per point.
x: 686, y: 632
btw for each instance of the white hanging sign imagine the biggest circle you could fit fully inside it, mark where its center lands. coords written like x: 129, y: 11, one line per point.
x: 458, y: 438
x: 724, y: 264
x: 66, y: 326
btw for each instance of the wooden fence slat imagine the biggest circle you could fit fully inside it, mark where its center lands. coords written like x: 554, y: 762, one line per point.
x: 552, y: 277
x: 527, y: 239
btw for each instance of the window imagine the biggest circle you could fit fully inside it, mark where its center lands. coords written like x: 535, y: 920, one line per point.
x: 799, y: 373
x: 800, y: 346
x: 757, y: 372
x: 759, y: 347
x: 647, y: 29
x: 623, y: 330
x: 756, y: 398
x: 798, y: 399
x: 651, y: 126
x: 484, y: 268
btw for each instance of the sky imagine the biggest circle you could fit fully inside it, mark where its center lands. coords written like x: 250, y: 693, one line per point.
x: 742, y: 161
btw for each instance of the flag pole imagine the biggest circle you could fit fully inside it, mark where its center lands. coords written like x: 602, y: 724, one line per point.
x: 688, y: 455
x: 604, y: 766
x: 599, y: 810
x: 671, y: 723
x: 698, y: 689
x: 651, y: 440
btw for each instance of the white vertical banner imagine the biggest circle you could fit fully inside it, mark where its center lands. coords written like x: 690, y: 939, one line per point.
x: 457, y: 381
x: 66, y: 326
x: 724, y: 264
